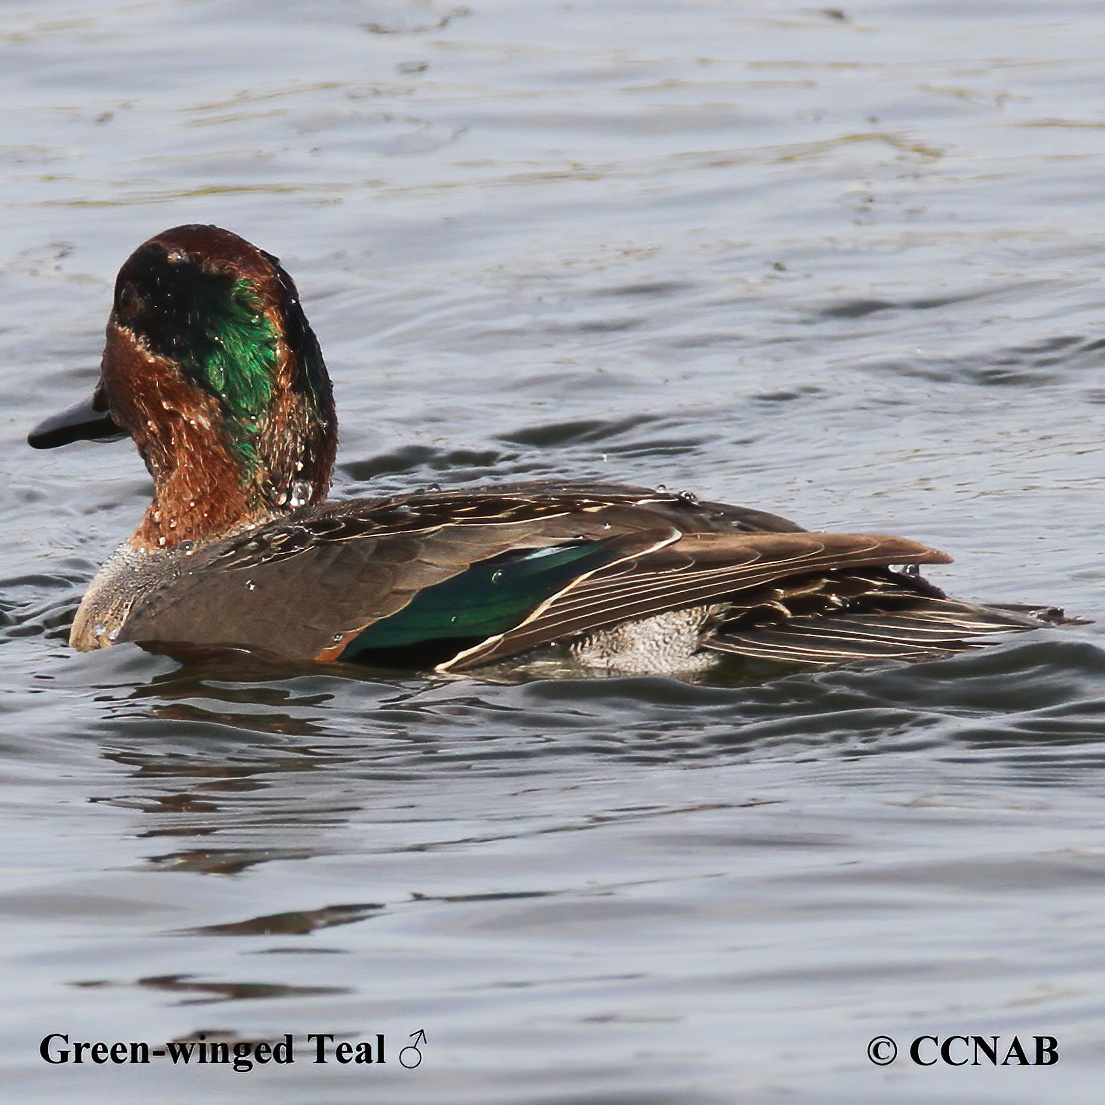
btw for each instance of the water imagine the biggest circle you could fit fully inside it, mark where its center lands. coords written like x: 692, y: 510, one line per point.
x: 845, y: 269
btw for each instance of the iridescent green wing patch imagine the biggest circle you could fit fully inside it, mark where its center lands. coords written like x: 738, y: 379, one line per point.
x: 490, y: 597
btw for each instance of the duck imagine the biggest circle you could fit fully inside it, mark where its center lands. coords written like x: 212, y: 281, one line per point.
x: 212, y: 369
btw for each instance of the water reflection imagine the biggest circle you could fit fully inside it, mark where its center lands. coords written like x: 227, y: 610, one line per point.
x: 211, y: 992
x: 223, y: 861
x: 236, y: 731
x: 296, y: 923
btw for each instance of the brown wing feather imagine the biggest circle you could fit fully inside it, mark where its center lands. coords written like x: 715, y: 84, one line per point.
x: 937, y: 625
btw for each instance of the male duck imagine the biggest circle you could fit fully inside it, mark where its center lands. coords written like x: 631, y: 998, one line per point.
x: 211, y: 367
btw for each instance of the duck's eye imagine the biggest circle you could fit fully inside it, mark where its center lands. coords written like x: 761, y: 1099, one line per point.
x: 129, y: 301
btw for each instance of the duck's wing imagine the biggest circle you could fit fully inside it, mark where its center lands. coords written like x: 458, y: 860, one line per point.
x: 737, y: 571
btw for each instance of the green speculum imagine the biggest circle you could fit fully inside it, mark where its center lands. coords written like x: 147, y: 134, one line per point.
x: 489, y: 597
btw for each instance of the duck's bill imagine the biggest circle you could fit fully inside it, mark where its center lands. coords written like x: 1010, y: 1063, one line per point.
x: 87, y: 420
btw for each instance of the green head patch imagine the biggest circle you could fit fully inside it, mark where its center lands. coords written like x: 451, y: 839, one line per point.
x: 211, y: 324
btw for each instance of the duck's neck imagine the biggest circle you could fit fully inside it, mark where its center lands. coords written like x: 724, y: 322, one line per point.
x: 200, y: 490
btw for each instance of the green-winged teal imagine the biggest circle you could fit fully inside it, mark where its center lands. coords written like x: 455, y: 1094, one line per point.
x: 211, y: 367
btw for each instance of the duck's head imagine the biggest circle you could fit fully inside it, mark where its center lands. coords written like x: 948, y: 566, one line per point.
x: 211, y: 367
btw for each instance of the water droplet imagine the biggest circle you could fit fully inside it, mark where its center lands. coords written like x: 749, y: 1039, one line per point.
x: 434, y: 487
x: 688, y: 497
x: 187, y: 547
x: 301, y: 494
x: 162, y: 541
x: 337, y: 637
x: 157, y: 515
x: 99, y: 629
x: 114, y: 634
x: 661, y: 487
x: 250, y: 585
x: 453, y: 618
x: 496, y: 577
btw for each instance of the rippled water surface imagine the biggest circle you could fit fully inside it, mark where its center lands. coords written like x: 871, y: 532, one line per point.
x: 844, y: 265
